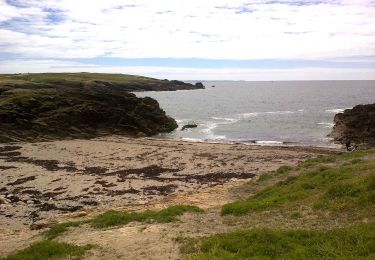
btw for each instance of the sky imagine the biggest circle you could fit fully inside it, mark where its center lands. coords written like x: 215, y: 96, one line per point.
x: 191, y: 40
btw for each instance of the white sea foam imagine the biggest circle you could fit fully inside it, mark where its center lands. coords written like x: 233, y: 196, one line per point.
x: 336, y: 110
x: 209, y: 133
x: 228, y: 120
x: 280, y: 112
x: 191, y: 139
x: 254, y: 114
x: 326, y: 125
x: 247, y: 115
x: 268, y: 142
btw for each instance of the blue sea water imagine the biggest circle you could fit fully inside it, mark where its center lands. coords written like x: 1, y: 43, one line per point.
x: 268, y: 113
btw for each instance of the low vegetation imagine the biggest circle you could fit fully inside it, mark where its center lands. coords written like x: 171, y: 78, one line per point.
x: 339, y: 189
x: 58, y: 229
x: 350, y: 184
x: 47, y: 250
x: 118, y: 218
x: 344, y: 243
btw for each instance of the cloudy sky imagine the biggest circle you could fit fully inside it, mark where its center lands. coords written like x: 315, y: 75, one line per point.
x: 195, y: 39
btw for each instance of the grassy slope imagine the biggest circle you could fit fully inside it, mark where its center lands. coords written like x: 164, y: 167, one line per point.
x: 319, y: 195
x: 52, y: 78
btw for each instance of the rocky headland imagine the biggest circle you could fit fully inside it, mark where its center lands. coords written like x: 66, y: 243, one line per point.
x: 356, y: 124
x: 37, y: 107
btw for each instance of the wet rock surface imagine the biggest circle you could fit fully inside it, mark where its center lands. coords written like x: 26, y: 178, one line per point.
x: 356, y: 124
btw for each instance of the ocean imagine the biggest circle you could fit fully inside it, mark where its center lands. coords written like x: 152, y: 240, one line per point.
x: 265, y: 113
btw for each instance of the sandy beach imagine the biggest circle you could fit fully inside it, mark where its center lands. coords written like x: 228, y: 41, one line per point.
x: 50, y: 182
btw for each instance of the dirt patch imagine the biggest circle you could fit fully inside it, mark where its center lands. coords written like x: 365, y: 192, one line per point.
x: 160, y: 190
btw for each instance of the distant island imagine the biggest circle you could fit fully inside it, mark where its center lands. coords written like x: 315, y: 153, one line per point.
x: 36, y: 107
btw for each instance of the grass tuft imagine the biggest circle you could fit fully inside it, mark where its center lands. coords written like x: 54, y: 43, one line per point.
x: 47, y: 249
x: 284, y: 169
x: 118, y: 218
x: 58, y: 229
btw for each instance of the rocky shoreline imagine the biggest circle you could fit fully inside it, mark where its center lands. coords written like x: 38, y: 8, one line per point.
x: 355, y: 125
x: 39, y: 107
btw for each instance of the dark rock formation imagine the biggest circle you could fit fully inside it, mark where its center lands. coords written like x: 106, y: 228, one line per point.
x: 356, y: 124
x: 199, y: 85
x: 192, y: 125
x: 64, y: 108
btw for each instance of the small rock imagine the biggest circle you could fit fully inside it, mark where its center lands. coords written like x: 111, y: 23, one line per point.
x: 42, y: 224
x: 78, y: 214
x: 4, y: 200
x: 192, y: 125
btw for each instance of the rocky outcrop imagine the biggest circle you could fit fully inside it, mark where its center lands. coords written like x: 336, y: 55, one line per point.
x: 356, y: 124
x: 34, y: 111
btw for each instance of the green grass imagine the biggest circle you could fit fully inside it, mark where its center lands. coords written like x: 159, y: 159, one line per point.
x: 58, y: 229
x: 269, y: 175
x: 356, y: 242
x: 318, y: 160
x: 284, y: 169
x: 71, y: 78
x: 118, y: 218
x: 47, y: 250
x: 348, y: 185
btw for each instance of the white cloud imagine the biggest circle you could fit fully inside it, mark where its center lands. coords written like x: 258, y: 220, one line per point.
x: 34, y: 66
x: 185, y: 29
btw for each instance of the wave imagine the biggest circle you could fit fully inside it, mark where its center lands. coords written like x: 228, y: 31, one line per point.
x: 269, y: 142
x: 192, y: 139
x: 227, y: 119
x: 336, y: 110
x: 283, y: 112
x: 326, y: 125
x: 208, y: 131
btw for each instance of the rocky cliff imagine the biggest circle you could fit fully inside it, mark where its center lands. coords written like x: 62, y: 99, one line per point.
x: 356, y: 124
x: 37, y: 107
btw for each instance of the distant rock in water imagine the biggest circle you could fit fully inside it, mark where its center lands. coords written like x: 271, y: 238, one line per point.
x: 36, y: 107
x: 192, y: 125
x: 356, y: 124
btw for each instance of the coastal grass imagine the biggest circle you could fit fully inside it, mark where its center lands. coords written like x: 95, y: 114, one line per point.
x: 354, y: 242
x: 119, y: 218
x: 269, y: 175
x: 347, y: 185
x: 59, y: 229
x: 49, y: 249
x: 72, y: 78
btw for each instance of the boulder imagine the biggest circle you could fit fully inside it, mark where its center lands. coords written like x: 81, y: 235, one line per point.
x: 356, y: 125
x: 192, y: 125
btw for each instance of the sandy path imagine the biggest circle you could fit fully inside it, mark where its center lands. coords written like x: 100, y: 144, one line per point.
x: 63, y: 179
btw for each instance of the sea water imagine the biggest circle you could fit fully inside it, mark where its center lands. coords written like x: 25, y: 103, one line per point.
x: 268, y: 113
